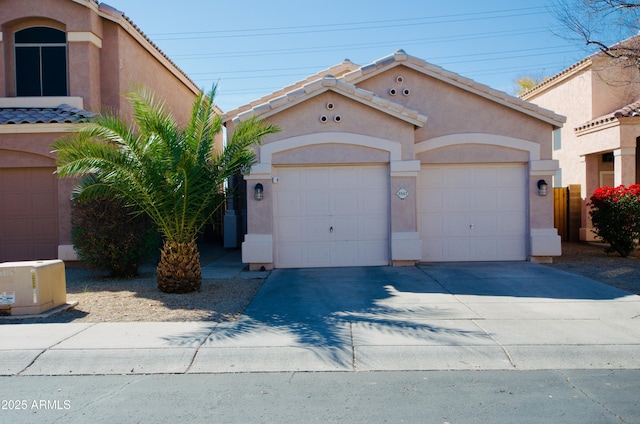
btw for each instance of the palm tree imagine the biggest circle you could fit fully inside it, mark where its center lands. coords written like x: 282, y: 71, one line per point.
x: 173, y: 175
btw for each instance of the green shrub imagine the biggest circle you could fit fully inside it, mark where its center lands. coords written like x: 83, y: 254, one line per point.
x: 615, y: 213
x: 108, y: 236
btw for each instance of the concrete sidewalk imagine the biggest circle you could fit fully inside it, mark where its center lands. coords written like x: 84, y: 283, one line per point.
x: 471, y: 316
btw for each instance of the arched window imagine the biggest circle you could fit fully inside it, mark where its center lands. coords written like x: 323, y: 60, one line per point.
x: 41, y: 62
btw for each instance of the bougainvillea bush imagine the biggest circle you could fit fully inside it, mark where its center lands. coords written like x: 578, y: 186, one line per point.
x: 615, y: 213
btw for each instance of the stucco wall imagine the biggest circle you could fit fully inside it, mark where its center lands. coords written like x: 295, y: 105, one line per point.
x: 106, y: 57
x: 452, y: 110
x: 613, y: 85
x: 355, y: 118
x: 571, y: 98
x: 137, y: 67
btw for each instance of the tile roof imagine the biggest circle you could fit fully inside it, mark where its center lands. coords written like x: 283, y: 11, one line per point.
x: 578, y: 66
x: 331, y: 83
x: 400, y: 57
x: 44, y: 115
x: 352, y: 74
x: 632, y: 109
x: 628, y: 111
x: 334, y: 71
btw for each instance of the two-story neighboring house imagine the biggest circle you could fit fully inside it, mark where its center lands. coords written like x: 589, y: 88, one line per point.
x: 395, y: 162
x: 598, y: 146
x: 61, y: 61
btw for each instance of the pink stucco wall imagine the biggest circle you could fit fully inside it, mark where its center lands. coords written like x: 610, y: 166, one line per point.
x: 465, y: 123
x: 114, y: 59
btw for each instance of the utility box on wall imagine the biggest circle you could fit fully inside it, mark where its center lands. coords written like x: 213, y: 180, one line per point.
x: 32, y: 287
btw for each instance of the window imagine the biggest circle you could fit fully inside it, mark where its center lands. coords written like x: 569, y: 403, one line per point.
x: 557, y: 139
x: 41, y: 62
x: 607, y: 157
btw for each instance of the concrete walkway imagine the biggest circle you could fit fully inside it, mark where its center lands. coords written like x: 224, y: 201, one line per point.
x: 470, y: 316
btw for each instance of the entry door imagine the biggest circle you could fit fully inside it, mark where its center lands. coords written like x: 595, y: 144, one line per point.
x: 473, y: 212
x: 331, y: 216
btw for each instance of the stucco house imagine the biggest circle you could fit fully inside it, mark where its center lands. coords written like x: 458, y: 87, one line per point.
x: 598, y: 146
x: 396, y: 162
x: 61, y: 61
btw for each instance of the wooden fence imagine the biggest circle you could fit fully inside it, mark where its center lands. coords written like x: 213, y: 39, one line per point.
x: 567, y: 215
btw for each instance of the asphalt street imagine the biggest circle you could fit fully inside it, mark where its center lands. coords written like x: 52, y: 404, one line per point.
x: 454, y: 397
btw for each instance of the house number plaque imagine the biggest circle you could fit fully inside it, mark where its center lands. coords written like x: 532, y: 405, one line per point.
x: 403, y: 193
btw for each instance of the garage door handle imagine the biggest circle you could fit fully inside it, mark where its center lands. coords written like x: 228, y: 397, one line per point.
x: 331, y: 229
x: 471, y: 226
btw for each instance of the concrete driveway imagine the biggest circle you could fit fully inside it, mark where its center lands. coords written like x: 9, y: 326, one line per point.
x: 438, y: 316
x: 471, y: 316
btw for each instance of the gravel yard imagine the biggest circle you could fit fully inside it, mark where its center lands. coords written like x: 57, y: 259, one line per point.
x: 102, y: 299
x: 590, y: 260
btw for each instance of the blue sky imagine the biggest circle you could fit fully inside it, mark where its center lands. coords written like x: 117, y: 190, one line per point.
x: 251, y: 48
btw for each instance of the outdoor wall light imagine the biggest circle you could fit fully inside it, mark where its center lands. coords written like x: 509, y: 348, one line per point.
x: 542, y: 187
x: 258, y: 192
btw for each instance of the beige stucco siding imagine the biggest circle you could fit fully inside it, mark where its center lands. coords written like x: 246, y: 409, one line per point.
x: 452, y: 110
x: 355, y: 118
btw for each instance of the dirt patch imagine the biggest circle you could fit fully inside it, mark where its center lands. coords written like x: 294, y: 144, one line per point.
x: 590, y: 260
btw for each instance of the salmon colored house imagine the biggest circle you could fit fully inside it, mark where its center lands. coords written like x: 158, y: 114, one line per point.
x: 61, y: 61
x: 599, y: 144
x: 396, y: 162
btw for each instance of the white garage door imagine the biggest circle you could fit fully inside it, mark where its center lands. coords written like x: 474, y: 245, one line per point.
x: 28, y: 214
x: 331, y: 216
x: 473, y: 212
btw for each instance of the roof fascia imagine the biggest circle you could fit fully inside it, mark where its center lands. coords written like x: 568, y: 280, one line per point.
x: 39, y: 128
x: 465, y: 84
x: 300, y: 95
x: 559, y: 78
x: 341, y: 67
x: 114, y: 15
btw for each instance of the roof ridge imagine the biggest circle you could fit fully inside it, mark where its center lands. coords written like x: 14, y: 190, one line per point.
x: 331, y: 82
x: 421, y: 65
x: 339, y: 68
x: 589, y: 58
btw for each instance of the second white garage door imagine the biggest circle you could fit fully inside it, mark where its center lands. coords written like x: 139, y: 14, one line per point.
x: 473, y: 212
x: 331, y: 216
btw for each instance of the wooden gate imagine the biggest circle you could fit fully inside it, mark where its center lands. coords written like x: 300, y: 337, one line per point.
x: 561, y: 212
x: 567, y: 203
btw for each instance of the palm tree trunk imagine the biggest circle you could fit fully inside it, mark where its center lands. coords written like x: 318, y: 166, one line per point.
x: 179, y: 268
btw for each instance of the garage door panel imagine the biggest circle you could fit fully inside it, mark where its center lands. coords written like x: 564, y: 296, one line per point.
x: 431, y: 225
x: 431, y: 201
x: 482, y: 215
x: 484, y: 201
x: 485, y: 225
x: 313, y: 179
x: 456, y: 225
x: 292, y: 232
x: 374, y: 228
x: 345, y: 204
x: 316, y: 204
x: 28, y: 214
x: 483, y: 249
x: 44, y: 228
x: 42, y: 202
x: 456, y: 178
x: 314, y: 228
x: 344, y: 222
x: 456, y: 201
x: 290, y: 203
